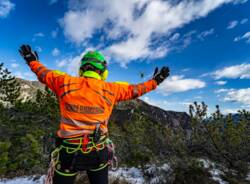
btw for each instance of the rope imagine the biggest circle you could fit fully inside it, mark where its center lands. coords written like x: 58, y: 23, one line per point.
x: 50, y: 173
x: 113, y: 161
x: 53, y: 162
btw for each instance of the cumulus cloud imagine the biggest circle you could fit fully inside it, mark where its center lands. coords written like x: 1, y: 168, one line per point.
x: 177, y: 83
x: 240, y: 95
x: 132, y: 26
x: 6, y: 7
x: 232, y: 24
x: 245, y: 37
x: 70, y: 63
x: 55, y: 52
x: 241, y: 71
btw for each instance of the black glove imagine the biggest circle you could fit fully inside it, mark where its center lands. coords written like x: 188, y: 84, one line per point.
x: 160, y: 76
x: 28, y: 54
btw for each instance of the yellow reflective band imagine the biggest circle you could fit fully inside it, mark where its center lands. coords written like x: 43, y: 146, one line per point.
x: 121, y: 82
x: 102, y: 166
x: 59, y: 72
x: 65, y: 174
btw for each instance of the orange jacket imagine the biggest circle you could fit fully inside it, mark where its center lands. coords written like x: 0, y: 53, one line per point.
x: 86, y: 102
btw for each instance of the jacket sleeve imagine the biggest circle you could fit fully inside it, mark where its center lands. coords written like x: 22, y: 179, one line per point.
x: 50, y: 78
x: 127, y: 92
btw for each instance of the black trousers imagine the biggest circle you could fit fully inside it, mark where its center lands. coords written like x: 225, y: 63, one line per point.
x: 70, y: 163
x: 95, y: 177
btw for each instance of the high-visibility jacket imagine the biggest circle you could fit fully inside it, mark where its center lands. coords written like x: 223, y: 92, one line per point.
x: 86, y: 102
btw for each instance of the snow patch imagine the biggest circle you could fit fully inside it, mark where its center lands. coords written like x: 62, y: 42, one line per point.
x: 132, y: 175
x: 24, y: 180
x: 216, y: 176
x: 216, y: 173
x: 25, y: 86
x: 248, y: 177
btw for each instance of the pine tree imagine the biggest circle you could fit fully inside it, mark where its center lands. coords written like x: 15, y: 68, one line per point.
x: 9, y: 86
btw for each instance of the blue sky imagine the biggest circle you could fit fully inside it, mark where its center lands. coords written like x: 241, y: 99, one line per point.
x: 205, y: 43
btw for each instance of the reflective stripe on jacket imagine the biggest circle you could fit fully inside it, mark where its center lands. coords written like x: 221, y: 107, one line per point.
x: 85, y: 102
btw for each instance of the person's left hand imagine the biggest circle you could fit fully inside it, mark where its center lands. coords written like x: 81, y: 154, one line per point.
x: 27, y: 53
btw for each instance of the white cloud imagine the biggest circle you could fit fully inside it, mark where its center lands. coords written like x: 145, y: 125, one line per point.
x: 40, y: 34
x: 240, y: 1
x: 175, y: 84
x: 232, y: 24
x: 223, y: 90
x: 168, y: 105
x: 5, y: 7
x: 55, y: 52
x: 133, y: 24
x: 206, y: 33
x: 174, y: 37
x: 152, y: 102
x: 231, y: 111
x: 14, y: 65
x: 241, y: 71
x: 80, y: 25
x: 243, y: 21
x: 71, y: 63
x: 235, y: 110
x: 245, y: 37
x: 25, y: 75
x: 61, y: 63
x: 240, y: 95
x: 220, y: 83
x: 37, y: 35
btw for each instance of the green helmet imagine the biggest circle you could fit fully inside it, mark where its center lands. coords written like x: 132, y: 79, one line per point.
x: 96, y: 59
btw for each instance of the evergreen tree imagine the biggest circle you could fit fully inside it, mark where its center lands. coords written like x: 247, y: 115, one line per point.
x: 9, y: 86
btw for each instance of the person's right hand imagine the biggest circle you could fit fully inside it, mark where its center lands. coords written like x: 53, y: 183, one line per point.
x: 160, y: 76
x: 27, y: 53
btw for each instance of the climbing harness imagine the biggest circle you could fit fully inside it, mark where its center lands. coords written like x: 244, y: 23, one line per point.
x: 85, y: 145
